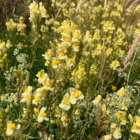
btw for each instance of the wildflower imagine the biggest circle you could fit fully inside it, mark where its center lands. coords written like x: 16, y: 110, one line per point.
x: 24, y: 112
x: 107, y: 137
x: 97, y: 100
x: 123, y: 122
x: 25, y: 46
x: 65, y: 103
x: 117, y: 134
x: 76, y: 36
x: 77, y: 112
x: 64, y: 121
x: 123, y: 106
x: 137, y: 121
x: 75, y: 95
x: 37, y: 12
x: 55, y: 63
x: 114, y: 64
x: 2, y: 97
x: 113, y: 125
x: 121, y: 92
x: 69, y: 62
x: 138, y: 131
x: 87, y: 37
x: 17, y: 132
x: 114, y: 88
x: 5, y: 46
x: 36, y: 100
x: 57, y: 113
x: 48, y: 54
x: 76, y: 48
x: 26, y: 95
x: 10, y: 128
x: 109, y: 51
x: 47, y: 85
x: 134, y: 128
x: 11, y: 25
x: 130, y: 117
x: 34, y: 80
x: 62, y: 55
x: 42, y: 77
x: 103, y: 107
x: 120, y: 114
x: 42, y: 115
x: 120, y: 41
x: 43, y: 136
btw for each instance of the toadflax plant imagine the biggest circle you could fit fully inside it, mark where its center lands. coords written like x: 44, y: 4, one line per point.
x: 73, y: 74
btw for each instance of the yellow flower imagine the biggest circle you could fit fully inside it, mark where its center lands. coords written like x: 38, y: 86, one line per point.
x: 75, y: 95
x: 36, y: 100
x: 77, y: 112
x: 57, y: 113
x: 123, y: 122
x: 10, y: 128
x: 34, y: 80
x: 55, y: 63
x: 97, y: 100
x: 42, y: 115
x: 114, y: 65
x: 42, y: 77
x: 114, y: 88
x: 113, y: 125
x: 25, y: 46
x: 26, y: 95
x: 121, y: 92
x: 107, y: 137
x: 103, y: 107
x: 117, y: 134
x: 65, y: 103
x: 137, y: 121
x: 134, y: 128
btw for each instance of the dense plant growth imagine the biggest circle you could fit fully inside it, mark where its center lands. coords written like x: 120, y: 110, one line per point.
x: 71, y: 71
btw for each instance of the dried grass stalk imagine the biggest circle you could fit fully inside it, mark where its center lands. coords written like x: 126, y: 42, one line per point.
x: 131, y: 2
x: 105, y: 3
x: 135, y: 2
x: 131, y: 51
x: 60, y: 10
x: 79, y: 5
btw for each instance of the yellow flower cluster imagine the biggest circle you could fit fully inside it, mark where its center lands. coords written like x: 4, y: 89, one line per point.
x: 11, y: 25
x: 108, y: 27
x: 21, y: 26
x: 3, y: 52
x: 114, y: 65
x: 78, y: 77
x: 37, y: 12
x: 135, y: 121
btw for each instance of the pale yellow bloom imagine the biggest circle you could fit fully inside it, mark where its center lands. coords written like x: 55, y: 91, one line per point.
x: 134, y: 128
x: 117, y: 134
x: 65, y: 103
x: 26, y: 95
x: 114, y: 65
x: 10, y: 128
x: 97, y: 100
x: 42, y: 115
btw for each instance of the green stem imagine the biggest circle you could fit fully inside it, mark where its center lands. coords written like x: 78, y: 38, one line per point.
x: 34, y: 56
x: 131, y: 66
